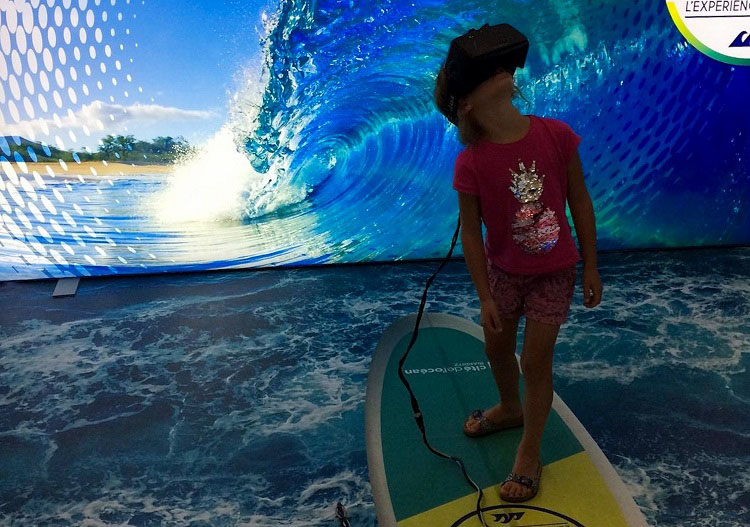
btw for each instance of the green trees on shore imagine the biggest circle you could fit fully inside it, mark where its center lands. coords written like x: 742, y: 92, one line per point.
x: 162, y: 149
x: 116, y: 148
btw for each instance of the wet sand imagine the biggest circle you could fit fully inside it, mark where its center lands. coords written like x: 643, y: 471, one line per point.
x: 84, y: 169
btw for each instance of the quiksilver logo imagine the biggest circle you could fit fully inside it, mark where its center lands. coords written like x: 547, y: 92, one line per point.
x: 739, y: 42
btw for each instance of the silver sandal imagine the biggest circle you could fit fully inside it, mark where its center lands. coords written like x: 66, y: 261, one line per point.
x: 488, y: 427
x: 531, y: 483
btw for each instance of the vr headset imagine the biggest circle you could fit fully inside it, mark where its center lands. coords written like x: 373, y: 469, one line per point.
x: 476, y: 56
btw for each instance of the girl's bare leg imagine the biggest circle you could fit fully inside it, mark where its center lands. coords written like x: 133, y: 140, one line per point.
x: 500, y: 349
x: 536, y: 364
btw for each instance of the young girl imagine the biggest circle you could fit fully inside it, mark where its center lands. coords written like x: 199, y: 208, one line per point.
x: 515, y: 174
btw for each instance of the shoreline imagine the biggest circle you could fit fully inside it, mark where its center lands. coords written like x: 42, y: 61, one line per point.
x: 84, y: 169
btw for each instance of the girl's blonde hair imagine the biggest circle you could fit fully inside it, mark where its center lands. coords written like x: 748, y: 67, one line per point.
x: 469, y: 130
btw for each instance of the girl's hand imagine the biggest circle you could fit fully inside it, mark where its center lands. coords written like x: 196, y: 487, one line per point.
x: 592, y: 287
x: 489, y: 318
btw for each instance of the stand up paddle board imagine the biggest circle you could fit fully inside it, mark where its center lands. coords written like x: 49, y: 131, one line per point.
x: 450, y: 376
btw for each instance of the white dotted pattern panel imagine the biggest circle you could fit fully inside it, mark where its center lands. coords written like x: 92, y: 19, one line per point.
x: 59, y: 60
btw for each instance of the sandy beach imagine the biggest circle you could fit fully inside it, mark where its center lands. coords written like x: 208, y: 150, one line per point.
x: 84, y: 169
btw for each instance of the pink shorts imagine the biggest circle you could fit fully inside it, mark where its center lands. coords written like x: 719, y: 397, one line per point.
x: 541, y: 297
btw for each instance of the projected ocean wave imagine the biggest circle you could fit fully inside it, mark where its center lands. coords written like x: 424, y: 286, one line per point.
x: 334, y: 151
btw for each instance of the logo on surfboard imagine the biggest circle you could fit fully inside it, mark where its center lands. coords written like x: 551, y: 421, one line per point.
x: 504, y: 515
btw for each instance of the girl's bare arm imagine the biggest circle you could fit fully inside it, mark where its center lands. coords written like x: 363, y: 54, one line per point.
x: 473, y: 243
x: 582, y: 210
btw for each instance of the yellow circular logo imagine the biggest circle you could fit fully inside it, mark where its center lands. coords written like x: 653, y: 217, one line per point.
x: 718, y: 29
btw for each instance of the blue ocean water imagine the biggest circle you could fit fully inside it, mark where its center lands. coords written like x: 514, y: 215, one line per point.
x: 237, y: 398
x: 335, y: 149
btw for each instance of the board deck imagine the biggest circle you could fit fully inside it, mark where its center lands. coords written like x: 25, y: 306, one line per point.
x: 450, y: 376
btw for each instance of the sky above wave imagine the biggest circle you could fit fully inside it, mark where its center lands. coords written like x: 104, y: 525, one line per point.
x: 184, y: 59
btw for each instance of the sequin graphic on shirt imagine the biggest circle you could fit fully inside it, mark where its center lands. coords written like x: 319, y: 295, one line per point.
x: 535, y: 227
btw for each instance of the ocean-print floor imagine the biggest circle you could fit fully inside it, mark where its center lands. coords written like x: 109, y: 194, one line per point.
x: 236, y: 398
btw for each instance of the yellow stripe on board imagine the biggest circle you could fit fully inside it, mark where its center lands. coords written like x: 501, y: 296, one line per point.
x: 571, y: 493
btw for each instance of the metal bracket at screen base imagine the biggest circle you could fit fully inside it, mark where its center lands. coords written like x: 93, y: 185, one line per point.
x: 66, y: 287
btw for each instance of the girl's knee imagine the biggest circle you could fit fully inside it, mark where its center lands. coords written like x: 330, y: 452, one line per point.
x: 536, y: 368
x: 503, y: 342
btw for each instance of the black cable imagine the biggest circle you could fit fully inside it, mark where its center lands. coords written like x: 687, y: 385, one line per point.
x: 341, y: 515
x: 415, y: 406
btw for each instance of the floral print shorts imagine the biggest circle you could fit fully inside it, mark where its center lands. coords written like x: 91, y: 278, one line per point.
x: 541, y: 297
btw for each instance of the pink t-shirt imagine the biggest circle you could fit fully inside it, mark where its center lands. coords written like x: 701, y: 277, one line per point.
x: 522, y: 189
